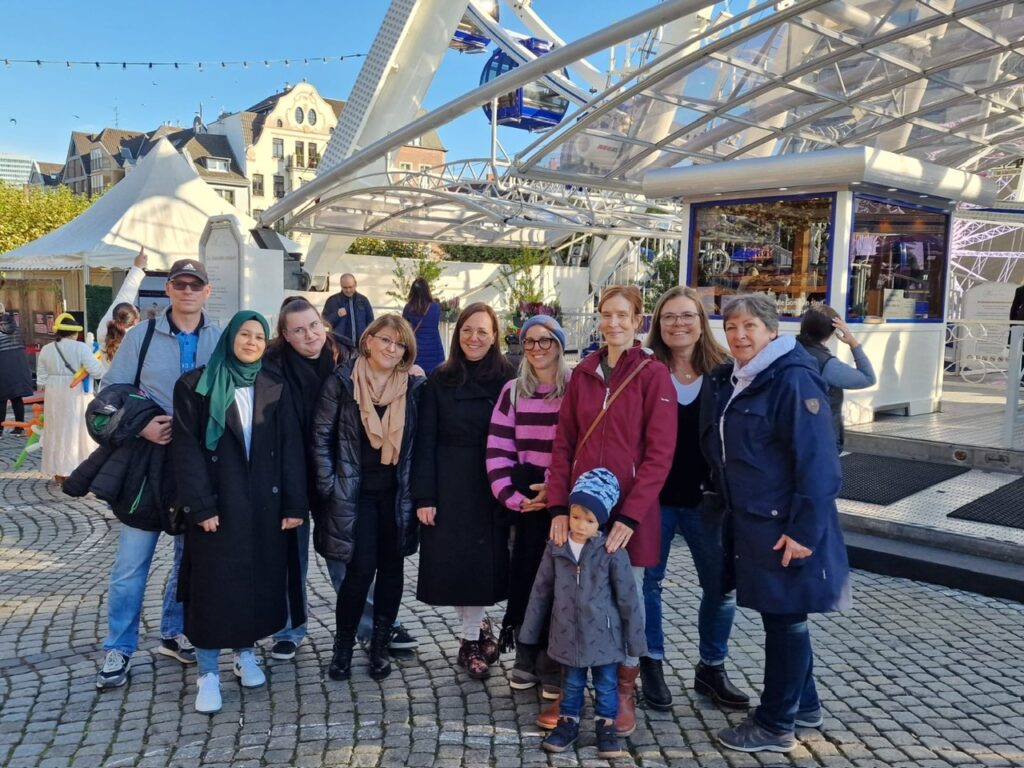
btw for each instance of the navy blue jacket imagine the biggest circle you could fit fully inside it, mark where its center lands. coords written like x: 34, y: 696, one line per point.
x: 358, y: 315
x: 780, y: 475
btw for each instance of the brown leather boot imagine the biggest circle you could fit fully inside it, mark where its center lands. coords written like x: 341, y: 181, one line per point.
x: 548, y: 717
x: 625, y: 721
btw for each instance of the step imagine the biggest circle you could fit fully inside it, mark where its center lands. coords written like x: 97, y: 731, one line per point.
x: 976, y: 457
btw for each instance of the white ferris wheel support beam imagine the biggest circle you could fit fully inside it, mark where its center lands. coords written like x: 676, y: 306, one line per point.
x: 631, y: 26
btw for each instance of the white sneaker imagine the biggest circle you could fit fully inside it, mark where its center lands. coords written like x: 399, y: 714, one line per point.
x: 247, y: 669
x: 208, y: 698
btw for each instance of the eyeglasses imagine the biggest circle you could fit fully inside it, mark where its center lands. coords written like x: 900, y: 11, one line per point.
x: 671, y: 318
x: 388, y: 342
x: 313, y: 329
x: 544, y: 343
x: 187, y: 285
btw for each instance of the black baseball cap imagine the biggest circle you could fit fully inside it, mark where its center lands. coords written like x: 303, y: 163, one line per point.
x: 189, y: 267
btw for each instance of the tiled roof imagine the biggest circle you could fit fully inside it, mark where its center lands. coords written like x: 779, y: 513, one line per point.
x: 50, y: 168
x: 202, y: 145
x: 337, y: 105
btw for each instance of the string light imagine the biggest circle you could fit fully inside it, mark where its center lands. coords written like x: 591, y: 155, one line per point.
x: 199, y: 65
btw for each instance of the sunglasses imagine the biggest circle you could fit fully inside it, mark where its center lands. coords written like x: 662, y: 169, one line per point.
x: 187, y: 285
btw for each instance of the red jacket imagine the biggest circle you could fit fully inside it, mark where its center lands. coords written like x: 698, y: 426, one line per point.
x: 635, y: 441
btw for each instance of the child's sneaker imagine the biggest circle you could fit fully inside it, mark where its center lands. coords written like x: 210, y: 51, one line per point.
x: 608, y: 745
x: 564, y: 736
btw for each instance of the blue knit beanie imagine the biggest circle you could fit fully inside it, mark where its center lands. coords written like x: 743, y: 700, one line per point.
x: 548, y: 322
x: 598, y: 491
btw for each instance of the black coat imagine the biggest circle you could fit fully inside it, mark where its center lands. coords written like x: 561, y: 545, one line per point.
x: 234, y: 581
x: 15, y: 376
x: 464, y: 557
x: 337, y: 458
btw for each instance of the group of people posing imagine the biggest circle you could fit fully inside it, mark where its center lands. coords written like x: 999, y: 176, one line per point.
x: 559, y: 492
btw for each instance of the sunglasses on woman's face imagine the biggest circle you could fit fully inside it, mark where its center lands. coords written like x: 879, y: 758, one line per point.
x: 544, y: 343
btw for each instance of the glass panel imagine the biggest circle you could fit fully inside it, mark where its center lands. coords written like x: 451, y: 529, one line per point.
x: 776, y: 246
x: 897, y: 261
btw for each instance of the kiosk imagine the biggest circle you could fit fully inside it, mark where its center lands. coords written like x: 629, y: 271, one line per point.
x: 863, y: 230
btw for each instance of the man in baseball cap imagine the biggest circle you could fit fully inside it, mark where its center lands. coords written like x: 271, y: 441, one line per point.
x: 189, y: 268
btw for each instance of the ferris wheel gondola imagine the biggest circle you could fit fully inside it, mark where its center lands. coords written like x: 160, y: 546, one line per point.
x: 532, y: 107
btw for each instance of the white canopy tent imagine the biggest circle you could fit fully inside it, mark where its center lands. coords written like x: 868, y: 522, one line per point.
x: 162, y: 205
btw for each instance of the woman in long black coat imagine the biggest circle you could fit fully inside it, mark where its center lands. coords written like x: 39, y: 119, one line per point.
x: 15, y: 377
x: 240, y: 469
x: 464, y: 553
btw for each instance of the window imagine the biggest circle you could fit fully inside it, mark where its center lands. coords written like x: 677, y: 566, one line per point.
x: 405, y: 166
x: 97, y: 160
x: 777, y: 246
x: 218, y: 164
x: 299, y: 115
x: 257, y: 212
x: 897, y: 260
x: 279, y: 186
x: 300, y: 154
x: 96, y: 184
x: 280, y: 123
x: 257, y: 185
x: 227, y: 194
x: 424, y: 167
x: 279, y: 148
x: 311, y: 117
x: 314, y: 155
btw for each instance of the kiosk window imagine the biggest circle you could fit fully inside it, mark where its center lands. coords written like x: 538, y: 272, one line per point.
x: 897, y: 260
x: 777, y: 246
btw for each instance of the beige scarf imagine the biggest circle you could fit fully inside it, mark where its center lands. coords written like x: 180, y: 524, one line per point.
x: 384, y: 433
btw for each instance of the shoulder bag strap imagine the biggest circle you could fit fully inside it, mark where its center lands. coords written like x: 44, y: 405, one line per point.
x: 603, y: 411
x: 56, y: 346
x: 150, y: 329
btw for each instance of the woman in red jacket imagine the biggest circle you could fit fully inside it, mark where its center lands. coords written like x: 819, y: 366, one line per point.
x: 619, y: 412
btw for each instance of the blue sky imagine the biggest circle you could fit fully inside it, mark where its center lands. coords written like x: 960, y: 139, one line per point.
x: 49, y: 102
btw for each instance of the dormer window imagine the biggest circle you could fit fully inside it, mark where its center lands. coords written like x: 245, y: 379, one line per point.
x: 218, y: 164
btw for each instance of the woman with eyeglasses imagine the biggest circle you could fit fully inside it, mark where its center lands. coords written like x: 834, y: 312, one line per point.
x: 518, y: 454
x: 363, y: 438
x: 464, y: 534
x: 680, y: 337
x: 618, y: 413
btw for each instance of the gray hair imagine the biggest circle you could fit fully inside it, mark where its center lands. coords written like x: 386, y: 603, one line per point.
x: 756, y: 304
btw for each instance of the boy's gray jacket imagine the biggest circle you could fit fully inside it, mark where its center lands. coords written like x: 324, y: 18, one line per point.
x: 594, y: 608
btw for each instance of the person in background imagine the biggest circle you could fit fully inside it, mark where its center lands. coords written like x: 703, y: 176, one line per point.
x: 619, y: 396
x: 348, y: 312
x: 241, y: 480
x: 179, y: 339
x: 464, y: 554
x: 589, y: 596
x: 680, y: 337
x: 518, y: 454
x: 122, y: 313
x: 767, y: 433
x: 66, y: 442
x: 424, y: 315
x: 817, y: 326
x: 15, y: 375
x: 363, y: 434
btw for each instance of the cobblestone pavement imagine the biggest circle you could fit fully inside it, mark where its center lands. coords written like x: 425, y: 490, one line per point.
x: 913, y: 675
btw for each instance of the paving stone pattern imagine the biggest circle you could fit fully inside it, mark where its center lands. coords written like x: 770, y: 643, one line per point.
x: 913, y: 675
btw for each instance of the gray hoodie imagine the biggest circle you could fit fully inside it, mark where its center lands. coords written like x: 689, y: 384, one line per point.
x: 594, y: 606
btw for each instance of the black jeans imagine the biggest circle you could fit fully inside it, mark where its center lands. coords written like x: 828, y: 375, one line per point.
x: 375, y: 551
x: 19, y: 410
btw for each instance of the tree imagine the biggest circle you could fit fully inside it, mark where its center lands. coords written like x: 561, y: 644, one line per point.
x: 396, y: 249
x: 666, y: 275
x: 484, y: 254
x: 29, y: 213
x: 423, y: 266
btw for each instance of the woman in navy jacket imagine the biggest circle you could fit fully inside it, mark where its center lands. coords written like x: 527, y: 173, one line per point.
x: 767, y: 432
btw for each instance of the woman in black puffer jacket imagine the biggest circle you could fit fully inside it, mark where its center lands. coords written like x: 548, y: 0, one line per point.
x: 363, y: 429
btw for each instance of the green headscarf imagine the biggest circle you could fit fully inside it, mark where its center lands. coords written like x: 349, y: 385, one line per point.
x: 225, y: 373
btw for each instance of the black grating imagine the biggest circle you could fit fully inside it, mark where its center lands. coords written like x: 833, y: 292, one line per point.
x: 1004, y: 506
x: 885, y: 480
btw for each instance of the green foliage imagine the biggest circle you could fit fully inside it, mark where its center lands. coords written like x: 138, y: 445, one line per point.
x: 27, y: 214
x: 482, y: 254
x: 369, y: 246
x: 521, y: 284
x: 666, y: 275
x: 423, y: 266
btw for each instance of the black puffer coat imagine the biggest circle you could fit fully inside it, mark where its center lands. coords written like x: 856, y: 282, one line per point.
x: 15, y: 376
x: 337, y: 430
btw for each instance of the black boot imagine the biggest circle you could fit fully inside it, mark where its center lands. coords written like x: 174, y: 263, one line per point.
x: 652, y: 679
x: 713, y: 681
x: 380, y: 639
x: 341, y: 662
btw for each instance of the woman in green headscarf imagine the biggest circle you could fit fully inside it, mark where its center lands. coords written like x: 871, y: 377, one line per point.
x: 240, y: 468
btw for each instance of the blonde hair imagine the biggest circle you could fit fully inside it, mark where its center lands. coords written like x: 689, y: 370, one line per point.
x: 397, y: 324
x: 527, y: 381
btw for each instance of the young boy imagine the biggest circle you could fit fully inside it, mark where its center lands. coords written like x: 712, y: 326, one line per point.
x: 594, y: 609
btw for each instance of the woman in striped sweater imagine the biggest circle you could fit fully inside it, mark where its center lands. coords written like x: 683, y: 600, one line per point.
x: 518, y: 455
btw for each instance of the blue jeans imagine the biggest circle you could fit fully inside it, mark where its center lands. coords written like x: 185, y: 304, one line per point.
x: 207, y: 659
x: 606, y: 699
x: 128, y: 586
x: 788, y: 672
x: 703, y: 535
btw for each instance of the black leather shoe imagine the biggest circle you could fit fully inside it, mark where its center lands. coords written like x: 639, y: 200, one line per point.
x: 652, y: 682
x: 380, y: 662
x: 713, y: 681
x: 341, y: 662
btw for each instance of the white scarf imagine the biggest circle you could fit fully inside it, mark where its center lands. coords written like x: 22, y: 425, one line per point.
x: 743, y: 375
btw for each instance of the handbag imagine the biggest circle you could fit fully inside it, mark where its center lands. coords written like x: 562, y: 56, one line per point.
x: 608, y: 405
